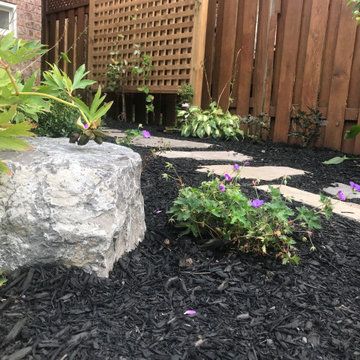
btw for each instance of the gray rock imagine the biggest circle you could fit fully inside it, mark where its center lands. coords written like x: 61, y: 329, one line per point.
x: 80, y: 205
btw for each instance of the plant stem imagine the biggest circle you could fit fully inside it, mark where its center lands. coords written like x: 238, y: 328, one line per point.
x: 53, y: 98
x: 6, y: 67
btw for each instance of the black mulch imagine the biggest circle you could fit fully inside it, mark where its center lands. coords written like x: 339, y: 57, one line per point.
x: 246, y: 307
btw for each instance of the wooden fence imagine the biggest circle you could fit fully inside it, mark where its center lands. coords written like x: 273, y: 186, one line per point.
x: 283, y: 55
x: 286, y: 55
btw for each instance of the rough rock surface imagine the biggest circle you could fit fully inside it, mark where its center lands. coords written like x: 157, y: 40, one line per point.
x: 80, y: 205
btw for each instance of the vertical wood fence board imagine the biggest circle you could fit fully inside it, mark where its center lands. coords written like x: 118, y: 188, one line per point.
x: 261, y: 56
x: 218, y: 40
x: 209, y: 54
x: 61, y: 38
x: 226, y: 52
x: 340, y: 79
x: 70, y: 41
x: 52, y: 38
x: 278, y: 51
x: 353, y: 100
x: 238, y: 45
x: 303, y: 40
x: 198, y: 50
x: 329, y: 51
x: 287, y: 71
x: 275, y: 11
x: 314, y: 54
x: 246, y: 57
x: 81, y: 28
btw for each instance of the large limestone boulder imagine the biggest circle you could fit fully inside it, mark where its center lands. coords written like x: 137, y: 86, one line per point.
x: 80, y: 205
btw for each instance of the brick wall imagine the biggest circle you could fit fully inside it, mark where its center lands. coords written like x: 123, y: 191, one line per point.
x: 28, y: 27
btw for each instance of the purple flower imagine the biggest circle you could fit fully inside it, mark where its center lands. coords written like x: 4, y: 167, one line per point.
x: 227, y: 177
x: 356, y: 187
x: 256, y: 203
x: 146, y: 134
x: 341, y: 195
x: 190, y: 312
x: 86, y: 126
x: 222, y: 188
x: 158, y: 211
x: 216, y: 261
x: 236, y: 167
x: 185, y: 105
x: 247, y: 162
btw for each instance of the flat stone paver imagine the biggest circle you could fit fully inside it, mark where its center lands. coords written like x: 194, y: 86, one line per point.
x: 155, y: 141
x: 229, y: 156
x: 346, y: 189
x: 265, y: 173
x: 344, y: 208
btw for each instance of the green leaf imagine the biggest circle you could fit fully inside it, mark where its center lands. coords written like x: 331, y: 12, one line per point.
x: 352, y: 132
x: 336, y: 160
x: 7, y: 115
x: 14, y: 144
x: 65, y: 57
x: 21, y: 129
x: 4, y: 169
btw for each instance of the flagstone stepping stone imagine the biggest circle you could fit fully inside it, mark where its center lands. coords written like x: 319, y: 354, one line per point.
x: 265, y: 173
x: 230, y: 156
x: 343, y: 208
x: 155, y: 141
x: 346, y: 189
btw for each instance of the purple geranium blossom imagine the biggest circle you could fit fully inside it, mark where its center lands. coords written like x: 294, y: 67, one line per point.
x: 227, y: 177
x: 236, y: 167
x: 257, y: 203
x: 146, y: 134
x: 86, y: 126
x: 190, y: 312
x: 222, y: 188
x: 247, y: 162
x: 341, y: 195
x: 356, y: 187
x: 185, y: 105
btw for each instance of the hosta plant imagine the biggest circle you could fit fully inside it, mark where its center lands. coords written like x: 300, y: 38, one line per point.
x: 219, y: 212
x: 213, y: 122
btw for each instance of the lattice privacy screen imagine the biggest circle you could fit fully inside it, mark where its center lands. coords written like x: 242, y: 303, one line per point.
x: 164, y: 28
x: 58, y: 5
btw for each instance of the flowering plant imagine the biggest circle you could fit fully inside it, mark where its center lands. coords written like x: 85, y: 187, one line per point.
x: 131, y: 134
x: 212, y: 122
x: 219, y: 212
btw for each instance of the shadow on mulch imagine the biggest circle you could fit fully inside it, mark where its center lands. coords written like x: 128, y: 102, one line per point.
x: 246, y: 307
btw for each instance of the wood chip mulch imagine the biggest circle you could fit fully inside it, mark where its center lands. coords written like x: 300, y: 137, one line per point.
x: 246, y: 307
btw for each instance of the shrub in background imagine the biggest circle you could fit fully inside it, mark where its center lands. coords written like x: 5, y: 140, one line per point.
x: 59, y: 121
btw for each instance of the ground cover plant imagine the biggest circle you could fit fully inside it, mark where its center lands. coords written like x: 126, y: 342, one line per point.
x: 219, y: 212
x: 174, y: 298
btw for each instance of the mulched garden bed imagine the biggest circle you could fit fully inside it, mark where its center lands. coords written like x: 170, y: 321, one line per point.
x: 246, y: 307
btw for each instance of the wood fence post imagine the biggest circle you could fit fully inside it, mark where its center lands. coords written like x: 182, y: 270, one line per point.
x: 198, y: 49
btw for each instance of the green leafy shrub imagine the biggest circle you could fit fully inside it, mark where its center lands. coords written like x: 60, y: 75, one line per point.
x: 185, y: 94
x: 59, y: 121
x: 307, y: 126
x: 131, y: 134
x: 213, y: 122
x: 257, y: 127
x: 219, y: 210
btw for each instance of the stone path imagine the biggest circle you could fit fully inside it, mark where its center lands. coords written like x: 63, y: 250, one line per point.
x: 265, y: 173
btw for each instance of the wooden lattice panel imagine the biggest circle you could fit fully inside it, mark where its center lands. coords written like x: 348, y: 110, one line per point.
x: 164, y: 28
x: 52, y: 6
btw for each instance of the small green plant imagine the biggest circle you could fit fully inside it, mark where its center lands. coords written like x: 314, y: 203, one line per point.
x: 120, y: 69
x: 3, y: 279
x: 185, y: 94
x: 219, y: 210
x: 213, y: 122
x: 59, y: 121
x: 307, y: 126
x: 257, y: 127
x: 356, y: 9
x: 131, y: 134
